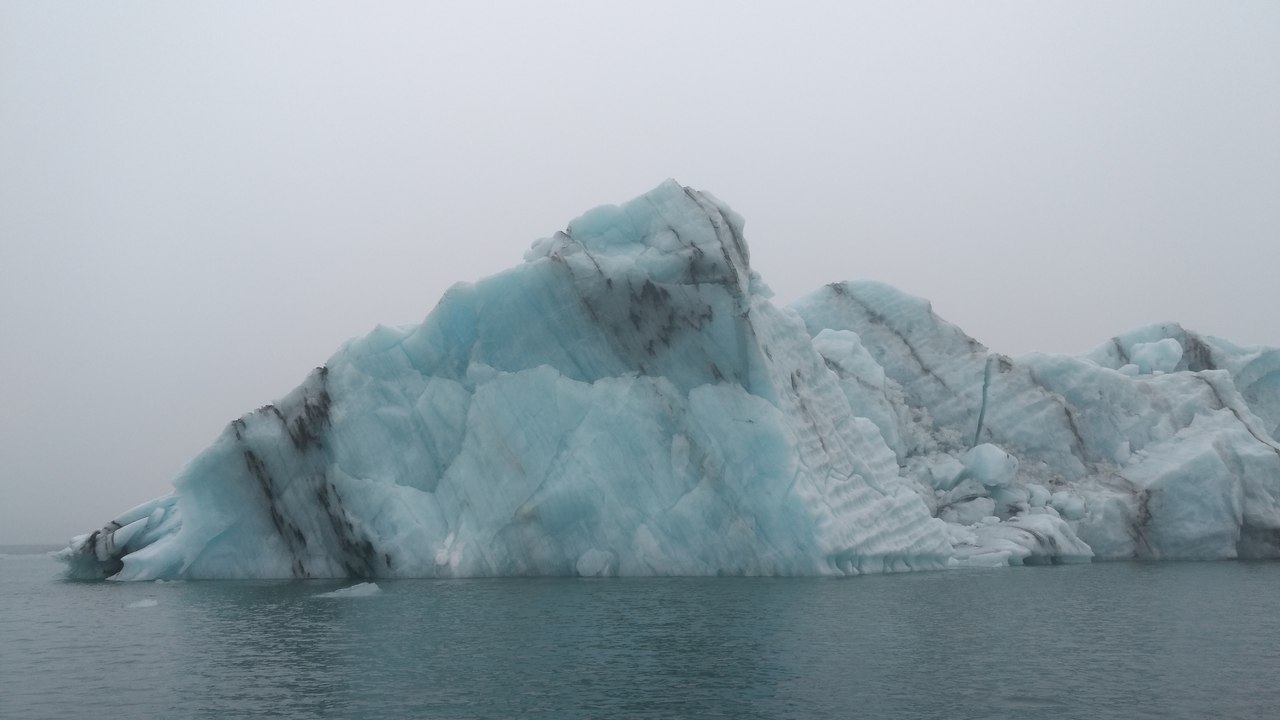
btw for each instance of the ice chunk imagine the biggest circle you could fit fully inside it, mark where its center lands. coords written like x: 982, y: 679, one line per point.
x: 629, y: 401
x: 1068, y: 505
x: 359, y: 590
x: 989, y: 465
x: 1029, y: 540
x: 1040, y: 495
x: 946, y: 473
x: 1160, y: 356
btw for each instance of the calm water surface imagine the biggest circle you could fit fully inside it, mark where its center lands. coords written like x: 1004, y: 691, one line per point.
x: 1190, y: 640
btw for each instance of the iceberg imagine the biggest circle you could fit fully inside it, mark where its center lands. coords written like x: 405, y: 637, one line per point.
x: 629, y: 401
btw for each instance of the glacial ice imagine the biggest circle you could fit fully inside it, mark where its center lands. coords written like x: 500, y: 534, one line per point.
x: 359, y: 590
x: 628, y: 401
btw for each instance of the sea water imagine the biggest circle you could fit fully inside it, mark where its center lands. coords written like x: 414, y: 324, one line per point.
x: 1122, y: 640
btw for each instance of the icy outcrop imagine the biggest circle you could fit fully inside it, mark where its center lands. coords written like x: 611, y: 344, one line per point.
x: 1157, y: 445
x: 629, y: 402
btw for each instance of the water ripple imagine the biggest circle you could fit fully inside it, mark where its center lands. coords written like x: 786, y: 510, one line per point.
x: 1096, y: 642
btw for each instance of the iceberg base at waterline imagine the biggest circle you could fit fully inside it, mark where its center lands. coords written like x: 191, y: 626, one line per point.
x: 629, y: 401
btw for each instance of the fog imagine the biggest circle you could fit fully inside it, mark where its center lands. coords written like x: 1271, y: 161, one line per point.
x: 199, y: 202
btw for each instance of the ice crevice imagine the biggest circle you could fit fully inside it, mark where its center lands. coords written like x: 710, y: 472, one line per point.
x: 630, y: 401
x: 982, y: 411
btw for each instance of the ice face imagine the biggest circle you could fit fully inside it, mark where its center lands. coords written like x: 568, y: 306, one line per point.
x: 628, y: 401
x: 1175, y: 459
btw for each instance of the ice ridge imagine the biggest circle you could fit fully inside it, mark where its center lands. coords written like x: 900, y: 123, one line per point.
x: 628, y: 401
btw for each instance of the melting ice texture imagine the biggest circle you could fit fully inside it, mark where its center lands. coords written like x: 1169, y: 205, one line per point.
x: 628, y: 401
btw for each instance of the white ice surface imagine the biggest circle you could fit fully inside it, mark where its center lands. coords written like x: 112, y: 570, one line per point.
x: 359, y: 590
x: 1170, y: 460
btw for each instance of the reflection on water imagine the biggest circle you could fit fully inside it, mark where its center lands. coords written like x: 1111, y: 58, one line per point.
x: 1101, y: 641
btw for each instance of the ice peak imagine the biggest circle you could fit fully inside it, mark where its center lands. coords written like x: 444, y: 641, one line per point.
x: 673, y: 233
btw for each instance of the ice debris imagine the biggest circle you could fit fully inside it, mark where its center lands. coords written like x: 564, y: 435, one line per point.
x: 359, y: 590
x: 629, y: 401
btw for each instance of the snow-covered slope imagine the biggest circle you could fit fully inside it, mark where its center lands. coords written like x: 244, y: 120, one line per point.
x: 629, y: 402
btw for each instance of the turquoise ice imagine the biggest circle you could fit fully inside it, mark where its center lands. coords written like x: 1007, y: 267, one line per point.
x: 628, y: 401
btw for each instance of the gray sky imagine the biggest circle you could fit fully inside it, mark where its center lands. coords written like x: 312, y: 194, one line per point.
x: 200, y: 201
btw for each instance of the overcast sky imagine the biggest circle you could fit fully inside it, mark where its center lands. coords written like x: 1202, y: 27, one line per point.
x: 200, y: 201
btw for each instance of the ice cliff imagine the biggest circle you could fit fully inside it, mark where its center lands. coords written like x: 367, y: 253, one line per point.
x: 628, y: 401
